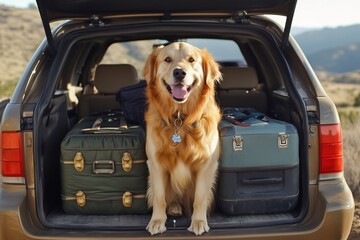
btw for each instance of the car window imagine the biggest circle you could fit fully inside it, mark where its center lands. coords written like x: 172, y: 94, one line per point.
x: 226, y: 52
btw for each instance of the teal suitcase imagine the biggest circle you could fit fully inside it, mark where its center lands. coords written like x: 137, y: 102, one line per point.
x: 103, y: 168
x: 259, y: 164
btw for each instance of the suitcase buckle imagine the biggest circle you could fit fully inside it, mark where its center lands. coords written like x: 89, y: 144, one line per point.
x: 127, y: 199
x: 126, y: 162
x: 80, y: 198
x: 283, y: 140
x: 103, y: 163
x: 79, y: 162
x: 238, y: 143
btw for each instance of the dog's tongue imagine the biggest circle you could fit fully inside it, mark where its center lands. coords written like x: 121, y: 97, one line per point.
x: 179, y: 91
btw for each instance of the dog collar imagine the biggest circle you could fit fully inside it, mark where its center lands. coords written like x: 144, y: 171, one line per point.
x: 178, y: 123
x: 182, y: 117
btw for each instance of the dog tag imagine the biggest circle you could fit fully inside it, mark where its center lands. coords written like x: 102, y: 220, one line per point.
x: 177, y: 123
x: 176, y: 138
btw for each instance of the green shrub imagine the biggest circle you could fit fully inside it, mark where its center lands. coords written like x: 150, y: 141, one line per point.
x: 357, y: 101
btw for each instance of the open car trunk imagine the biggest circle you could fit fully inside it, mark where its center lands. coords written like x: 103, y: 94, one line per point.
x: 54, y: 119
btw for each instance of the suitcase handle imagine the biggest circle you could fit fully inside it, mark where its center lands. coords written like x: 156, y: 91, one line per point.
x: 258, y: 181
x: 235, y: 122
x: 99, y: 120
x: 98, y: 170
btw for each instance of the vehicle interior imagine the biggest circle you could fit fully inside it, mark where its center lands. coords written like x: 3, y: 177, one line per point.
x: 86, y: 74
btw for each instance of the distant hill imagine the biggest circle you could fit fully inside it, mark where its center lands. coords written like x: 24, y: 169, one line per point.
x: 332, y: 49
x: 338, y: 60
x: 299, y: 30
x: 328, y: 38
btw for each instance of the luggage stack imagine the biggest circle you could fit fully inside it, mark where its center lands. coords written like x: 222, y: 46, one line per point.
x: 104, y: 170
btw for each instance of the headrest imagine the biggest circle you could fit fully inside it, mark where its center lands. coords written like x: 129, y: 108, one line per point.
x: 239, y: 78
x: 109, y: 78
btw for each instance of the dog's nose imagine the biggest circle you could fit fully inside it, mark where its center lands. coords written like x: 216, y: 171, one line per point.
x: 179, y: 74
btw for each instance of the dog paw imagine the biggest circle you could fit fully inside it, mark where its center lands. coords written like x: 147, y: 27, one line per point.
x: 199, y: 227
x: 156, y: 226
x: 174, y: 210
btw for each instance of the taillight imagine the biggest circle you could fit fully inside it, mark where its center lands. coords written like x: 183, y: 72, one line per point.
x: 12, y: 157
x: 331, y: 152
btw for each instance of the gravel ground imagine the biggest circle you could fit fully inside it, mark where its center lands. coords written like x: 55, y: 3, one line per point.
x: 355, y: 231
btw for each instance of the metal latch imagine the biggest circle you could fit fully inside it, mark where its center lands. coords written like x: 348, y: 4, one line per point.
x: 127, y: 162
x: 79, y: 162
x: 127, y: 199
x: 80, y: 198
x: 103, y: 163
x: 283, y: 140
x: 238, y: 143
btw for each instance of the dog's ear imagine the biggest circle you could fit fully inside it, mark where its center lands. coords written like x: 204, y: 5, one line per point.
x: 150, y: 68
x: 211, y: 69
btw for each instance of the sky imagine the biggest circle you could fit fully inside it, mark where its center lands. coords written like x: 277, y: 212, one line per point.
x: 308, y: 14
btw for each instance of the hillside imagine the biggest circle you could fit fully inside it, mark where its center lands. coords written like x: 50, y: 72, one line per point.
x: 21, y: 32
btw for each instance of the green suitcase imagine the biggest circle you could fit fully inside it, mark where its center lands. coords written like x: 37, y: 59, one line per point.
x: 103, y: 169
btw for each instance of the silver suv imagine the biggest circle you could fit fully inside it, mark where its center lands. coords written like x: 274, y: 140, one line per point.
x: 49, y: 100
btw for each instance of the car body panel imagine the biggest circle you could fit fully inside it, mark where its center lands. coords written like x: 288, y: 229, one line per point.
x: 329, y: 217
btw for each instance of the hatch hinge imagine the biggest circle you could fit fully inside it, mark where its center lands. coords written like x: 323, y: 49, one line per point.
x: 240, y: 17
x: 96, y: 21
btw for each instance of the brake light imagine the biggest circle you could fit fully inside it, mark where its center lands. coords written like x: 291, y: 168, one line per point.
x: 12, y: 156
x: 331, y: 151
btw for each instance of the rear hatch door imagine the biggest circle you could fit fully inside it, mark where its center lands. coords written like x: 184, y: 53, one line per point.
x: 54, y: 10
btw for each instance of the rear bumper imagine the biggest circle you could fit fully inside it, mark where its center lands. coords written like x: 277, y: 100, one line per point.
x: 329, y: 217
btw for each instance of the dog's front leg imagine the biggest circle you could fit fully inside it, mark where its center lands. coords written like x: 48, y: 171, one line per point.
x: 156, y: 198
x: 205, y: 181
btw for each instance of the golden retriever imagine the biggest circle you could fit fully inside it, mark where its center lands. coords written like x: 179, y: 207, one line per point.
x: 182, y: 142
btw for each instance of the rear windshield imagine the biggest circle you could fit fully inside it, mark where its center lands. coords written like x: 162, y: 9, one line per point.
x: 225, y: 52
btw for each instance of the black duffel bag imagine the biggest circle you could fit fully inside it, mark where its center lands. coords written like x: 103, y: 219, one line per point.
x: 132, y: 100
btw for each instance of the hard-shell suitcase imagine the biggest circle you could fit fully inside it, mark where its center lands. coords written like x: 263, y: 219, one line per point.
x: 259, y: 164
x: 103, y: 167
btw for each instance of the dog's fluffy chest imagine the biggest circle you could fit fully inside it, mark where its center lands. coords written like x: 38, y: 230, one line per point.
x: 192, y: 150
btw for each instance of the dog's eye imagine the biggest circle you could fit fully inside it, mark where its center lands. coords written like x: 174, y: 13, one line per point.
x: 168, y: 60
x: 191, y: 59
